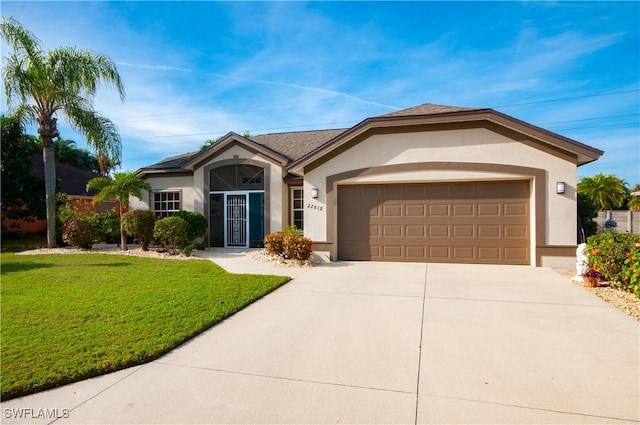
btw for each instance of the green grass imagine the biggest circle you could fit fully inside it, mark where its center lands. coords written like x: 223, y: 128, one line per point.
x: 69, y: 317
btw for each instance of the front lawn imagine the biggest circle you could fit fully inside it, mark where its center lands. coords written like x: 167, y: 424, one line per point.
x: 68, y: 317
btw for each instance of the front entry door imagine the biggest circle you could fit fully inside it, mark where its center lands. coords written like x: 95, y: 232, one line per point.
x: 236, y: 221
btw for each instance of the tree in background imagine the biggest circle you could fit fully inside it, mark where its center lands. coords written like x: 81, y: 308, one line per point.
x: 587, y: 211
x: 41, y: 85
x: 66, y: 152
x: 22, y: 191
x: 121, y: 187
x: 634, y: 200
x: 207, y: 143
x: 605, y: 190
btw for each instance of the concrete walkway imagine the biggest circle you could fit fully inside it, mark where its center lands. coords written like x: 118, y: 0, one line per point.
x: 383, y: 343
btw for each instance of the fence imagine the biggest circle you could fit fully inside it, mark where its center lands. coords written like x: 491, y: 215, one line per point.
x: 627, y: 221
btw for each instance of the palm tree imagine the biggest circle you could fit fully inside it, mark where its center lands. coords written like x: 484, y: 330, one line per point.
x: 605, y: 190
x: 107, y: 153
x: 634, y: 198
x: 121, y: 187
x: 46, y: 84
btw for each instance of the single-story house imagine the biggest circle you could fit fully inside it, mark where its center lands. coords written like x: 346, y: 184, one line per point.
x: 430, y: 183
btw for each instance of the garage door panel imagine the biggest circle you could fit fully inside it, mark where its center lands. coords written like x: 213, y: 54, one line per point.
x: 393, y: 210
x: 416, y: 253
x: 462, y: 190
x: 463, y: 231
x: 439, y: 253
x: 438, y: 231
x: 516, y: 231
x: 415, y: 231
x: 467, y: 253
x: 394, y: 230
x: 515, y: 209
x: 393, y: 252
x: 516, y: 254
x: 438, y: 210
x: 480, y: 222
x: 489, y: 209
x: 415, y: 211
x: 463, y: 210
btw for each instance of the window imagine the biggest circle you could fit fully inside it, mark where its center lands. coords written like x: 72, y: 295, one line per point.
x: 166, y: 203
x: 236, y: 178
x: 297, y: 207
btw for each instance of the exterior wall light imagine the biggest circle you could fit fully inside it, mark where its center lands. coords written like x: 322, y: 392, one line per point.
x: 314, y: 192
x: 560, y: 187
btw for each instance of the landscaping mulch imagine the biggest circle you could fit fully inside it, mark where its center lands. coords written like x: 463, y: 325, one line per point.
x: 624, y: 301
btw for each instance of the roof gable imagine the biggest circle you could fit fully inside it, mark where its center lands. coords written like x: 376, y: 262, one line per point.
x: 429, y: 114
x: 228, y: 140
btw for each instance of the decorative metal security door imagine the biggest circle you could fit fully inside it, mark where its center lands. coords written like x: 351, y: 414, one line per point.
x: 236, y: 219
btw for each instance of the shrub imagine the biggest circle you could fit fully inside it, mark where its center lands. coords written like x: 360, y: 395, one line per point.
x: 171, y: 232
x: 631, y: 270
x: 297, y: 247
x: 79, y: 232
x: 196, y: 224
x: 273, y: 243
x: 607, y: 254
x: 289, y: 244
x: 108, y: 226
x: 140, y: 225
x: 292, y: 229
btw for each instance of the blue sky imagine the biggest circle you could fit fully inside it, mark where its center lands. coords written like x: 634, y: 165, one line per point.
x: 197, y: 70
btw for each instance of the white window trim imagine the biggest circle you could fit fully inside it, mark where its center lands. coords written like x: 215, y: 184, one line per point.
x: 292, y: 206
x: 167, y: 212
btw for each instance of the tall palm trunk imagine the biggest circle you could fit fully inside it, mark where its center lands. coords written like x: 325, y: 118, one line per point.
x: 48, y: 129
x: 48, y: 158
x: 123, y: 237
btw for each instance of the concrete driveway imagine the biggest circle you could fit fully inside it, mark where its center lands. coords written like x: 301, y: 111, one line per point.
x: 384, y: 343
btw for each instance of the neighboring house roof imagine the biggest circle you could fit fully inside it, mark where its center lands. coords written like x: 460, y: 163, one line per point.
x: 301, y: 148
x: 173, y: 162
x: 73, y: 181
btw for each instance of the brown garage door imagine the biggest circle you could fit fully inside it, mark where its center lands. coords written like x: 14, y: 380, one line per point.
x: 479, y: 222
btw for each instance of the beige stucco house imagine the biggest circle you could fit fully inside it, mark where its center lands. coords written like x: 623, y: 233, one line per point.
x: 430, y: 183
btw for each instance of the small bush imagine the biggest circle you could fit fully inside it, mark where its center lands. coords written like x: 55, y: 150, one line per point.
x: 631, y: 270
x: 289, y: 244
x: 292, y: 229
x: 274, y: 243
x: 297, y: 247
x: 79, y: 232
x: 171, y: 232
x: 140, y: 225
x: 608, y: 253
x: 108, y: 226
x: 196, y: 224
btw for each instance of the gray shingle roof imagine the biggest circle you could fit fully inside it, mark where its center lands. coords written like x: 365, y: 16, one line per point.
x: 428, y: 109
x: 296, y: 144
